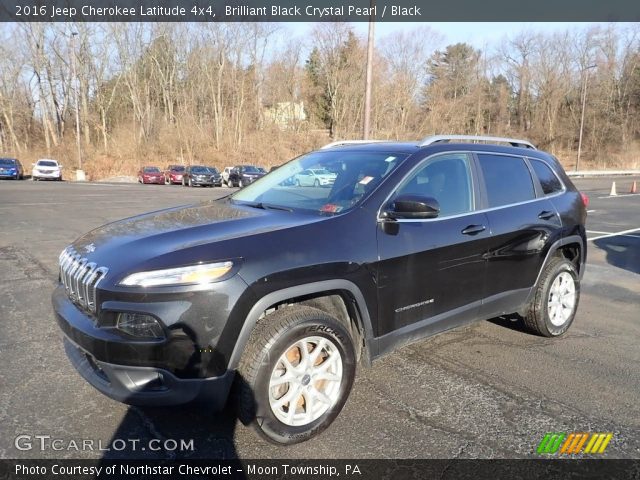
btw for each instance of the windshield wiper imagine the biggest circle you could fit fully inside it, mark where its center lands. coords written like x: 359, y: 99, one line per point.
x: 266, y: 206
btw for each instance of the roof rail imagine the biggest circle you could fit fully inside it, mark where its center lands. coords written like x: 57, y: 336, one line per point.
x: 349, y: 142
x: 476, y: 138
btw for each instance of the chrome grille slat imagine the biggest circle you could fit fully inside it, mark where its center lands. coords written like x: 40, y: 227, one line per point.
x: 80, y: 278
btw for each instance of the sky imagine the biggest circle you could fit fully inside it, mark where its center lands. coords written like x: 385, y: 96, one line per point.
x: 478, y: 34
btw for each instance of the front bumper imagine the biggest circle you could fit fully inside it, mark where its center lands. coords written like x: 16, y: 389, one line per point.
x: 8, y: 174
x: 147, y: 385
x: 135, y: 371
x: 48, y: 175
x: 195, y: 181
x: 153, y: 180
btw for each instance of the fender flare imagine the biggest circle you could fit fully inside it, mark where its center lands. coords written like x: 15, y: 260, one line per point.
x: 300, y: 290
x: 552, y: 249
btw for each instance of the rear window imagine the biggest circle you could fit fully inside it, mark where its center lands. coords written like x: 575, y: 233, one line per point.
x: 548, y: 180
x: 507, y: 179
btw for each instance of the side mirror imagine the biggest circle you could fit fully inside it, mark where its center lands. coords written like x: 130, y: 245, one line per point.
x: 412, y: 207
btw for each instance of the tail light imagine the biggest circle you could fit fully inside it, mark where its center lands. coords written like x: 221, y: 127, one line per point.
x: 585, y: 199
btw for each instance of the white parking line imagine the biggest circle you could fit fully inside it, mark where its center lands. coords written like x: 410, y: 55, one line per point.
x: 617, y: 234
x: 590, y: 211
x: 622, y: 195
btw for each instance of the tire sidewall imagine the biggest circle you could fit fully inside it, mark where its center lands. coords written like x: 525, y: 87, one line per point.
x: 559, y: 268
x: 265, y: 418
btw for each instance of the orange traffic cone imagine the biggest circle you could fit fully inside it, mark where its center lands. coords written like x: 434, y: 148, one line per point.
x: 613, y: 190
x: 633, y: 187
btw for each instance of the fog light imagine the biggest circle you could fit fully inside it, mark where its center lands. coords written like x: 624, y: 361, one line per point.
x: 139, y: 325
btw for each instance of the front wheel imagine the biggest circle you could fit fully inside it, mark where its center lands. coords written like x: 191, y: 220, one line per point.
x: 554, y: 305
x: 295, y: 374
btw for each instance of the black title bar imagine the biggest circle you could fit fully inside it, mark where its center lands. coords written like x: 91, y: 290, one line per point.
x: 317, y: 10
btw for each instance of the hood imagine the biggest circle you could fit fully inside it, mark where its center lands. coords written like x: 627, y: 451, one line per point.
x: 142, y: 241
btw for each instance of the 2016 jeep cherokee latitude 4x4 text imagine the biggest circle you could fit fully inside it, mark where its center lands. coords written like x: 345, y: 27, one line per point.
x: 279, y: 291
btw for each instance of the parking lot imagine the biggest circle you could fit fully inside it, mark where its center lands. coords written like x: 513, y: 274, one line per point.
x: 488, y: 390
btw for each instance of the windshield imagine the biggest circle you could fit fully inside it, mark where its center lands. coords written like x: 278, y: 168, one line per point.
x: 7, y: 161
x: 177, y: 169
x: 250, y: 169
x: 201, y: 170
x: 151, y: 170
x: 351, y: 175
x: 47, y: 163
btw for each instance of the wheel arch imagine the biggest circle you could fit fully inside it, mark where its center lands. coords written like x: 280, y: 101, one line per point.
x: 339, y: 298
x: 573, y: 248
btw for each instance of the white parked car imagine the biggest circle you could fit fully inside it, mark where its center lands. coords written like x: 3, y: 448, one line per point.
x: 46, y: 169
x: 315, y: 177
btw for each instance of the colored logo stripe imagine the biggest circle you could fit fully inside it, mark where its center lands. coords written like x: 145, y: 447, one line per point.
x: 574, y: 443
x: 598, y: 442
x: 551, y: 442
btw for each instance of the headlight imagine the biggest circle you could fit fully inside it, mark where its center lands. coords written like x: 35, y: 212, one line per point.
x: 195, y: 274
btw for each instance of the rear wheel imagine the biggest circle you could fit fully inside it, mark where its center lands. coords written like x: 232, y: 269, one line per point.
x: 295, y: 374
x: 554, y: 305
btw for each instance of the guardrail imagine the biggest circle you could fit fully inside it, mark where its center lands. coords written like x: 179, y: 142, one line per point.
x: 602, y: 173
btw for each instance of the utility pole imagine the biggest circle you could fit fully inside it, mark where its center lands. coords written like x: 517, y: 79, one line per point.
x: 366, y: 128
x: 585, y: 71
x: 76, y: 80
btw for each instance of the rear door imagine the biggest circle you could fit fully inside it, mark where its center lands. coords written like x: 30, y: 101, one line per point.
x: 523, y: 224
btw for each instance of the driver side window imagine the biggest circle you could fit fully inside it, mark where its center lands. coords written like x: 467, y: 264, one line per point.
x: 447, y: 178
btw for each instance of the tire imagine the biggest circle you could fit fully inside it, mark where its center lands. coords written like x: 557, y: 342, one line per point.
x: 190, y: 182
x: 316, y: 183
x: 240, y: 183
x: 556, y: 299
x: 275, y: 338
x: 225, y: 184
x: 297, y: 182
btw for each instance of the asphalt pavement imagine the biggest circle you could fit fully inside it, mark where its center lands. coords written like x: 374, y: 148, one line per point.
x: 484, y: 391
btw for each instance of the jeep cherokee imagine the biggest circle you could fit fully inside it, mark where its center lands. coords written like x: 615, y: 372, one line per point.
x: 277, y: 291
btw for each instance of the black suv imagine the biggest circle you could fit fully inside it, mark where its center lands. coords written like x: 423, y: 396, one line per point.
x: 280, y: 290
x: 243, y: 175
x: 195, y: 175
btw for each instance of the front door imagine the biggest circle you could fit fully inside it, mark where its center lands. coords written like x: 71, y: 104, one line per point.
x: 431, y: 272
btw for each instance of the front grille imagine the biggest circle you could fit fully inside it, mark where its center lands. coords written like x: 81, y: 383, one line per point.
x: 80, y: 278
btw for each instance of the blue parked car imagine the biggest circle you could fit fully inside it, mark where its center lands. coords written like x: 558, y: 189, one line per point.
x: 11, y: 168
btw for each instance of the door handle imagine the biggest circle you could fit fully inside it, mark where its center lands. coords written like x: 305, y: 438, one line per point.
x: 546, y: 215
x: 473, y: 229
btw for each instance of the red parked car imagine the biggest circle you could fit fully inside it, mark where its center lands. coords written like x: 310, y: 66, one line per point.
x: 174, y: 173
x: 150, y: 175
